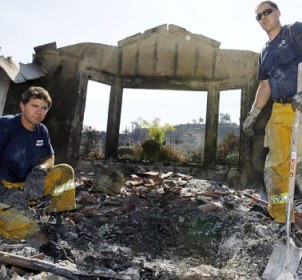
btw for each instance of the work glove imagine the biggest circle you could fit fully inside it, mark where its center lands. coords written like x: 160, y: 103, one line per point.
x: 13, y: 197
x: 34, y: 184
x: 250, y: 120
x: 297, y: 101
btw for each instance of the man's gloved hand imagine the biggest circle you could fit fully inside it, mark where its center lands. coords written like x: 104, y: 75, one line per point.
x: 297, y: 101
x: 250, y: 120
x: 13, y: 197
x: 34, y: 185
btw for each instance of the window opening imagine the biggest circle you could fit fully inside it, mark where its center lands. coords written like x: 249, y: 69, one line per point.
x: 228, y: 134
x: 95, y: 120
x: 185, y: 110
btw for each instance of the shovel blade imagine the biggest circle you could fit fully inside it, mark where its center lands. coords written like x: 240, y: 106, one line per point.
x: 283, y: 262
x: 275, y: 264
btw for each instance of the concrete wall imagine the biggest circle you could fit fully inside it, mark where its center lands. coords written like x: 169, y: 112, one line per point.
x: 4, y: 86
x: 164, y: 57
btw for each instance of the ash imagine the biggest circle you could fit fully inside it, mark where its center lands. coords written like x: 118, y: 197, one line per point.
x: 150, y: 225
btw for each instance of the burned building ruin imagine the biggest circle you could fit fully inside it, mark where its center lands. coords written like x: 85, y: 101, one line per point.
x: 165, y: 57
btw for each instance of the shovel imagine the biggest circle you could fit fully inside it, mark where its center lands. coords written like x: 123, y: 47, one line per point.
x: 285, y: 259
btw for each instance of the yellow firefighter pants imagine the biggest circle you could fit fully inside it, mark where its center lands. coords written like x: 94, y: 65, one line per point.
x: 276, y: 169
x: 59, y: 183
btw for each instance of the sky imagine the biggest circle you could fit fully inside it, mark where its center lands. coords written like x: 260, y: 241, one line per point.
x: 27, y: 24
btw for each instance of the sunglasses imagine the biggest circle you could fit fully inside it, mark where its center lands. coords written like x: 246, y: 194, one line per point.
x: 264, y: 13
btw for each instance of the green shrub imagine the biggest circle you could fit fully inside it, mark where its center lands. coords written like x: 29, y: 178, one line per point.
x: 150, y: 149
x: 156, y: 131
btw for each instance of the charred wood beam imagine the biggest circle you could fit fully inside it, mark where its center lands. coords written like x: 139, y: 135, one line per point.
x: 40, y: 265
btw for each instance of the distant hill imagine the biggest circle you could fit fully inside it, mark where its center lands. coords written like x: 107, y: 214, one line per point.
x: 187, y: 138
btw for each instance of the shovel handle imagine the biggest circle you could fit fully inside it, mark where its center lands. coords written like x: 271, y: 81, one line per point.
x: 293, y: 156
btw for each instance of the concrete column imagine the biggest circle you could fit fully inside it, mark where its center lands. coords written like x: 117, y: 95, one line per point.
x: 4, y: 86
x: 212, y: 118
x: 74, y: 139
x: 114, y: 119
x: 252, y: 151
x: 245, y: 142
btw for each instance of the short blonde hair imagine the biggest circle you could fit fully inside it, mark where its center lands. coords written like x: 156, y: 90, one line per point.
x: 271, y: 3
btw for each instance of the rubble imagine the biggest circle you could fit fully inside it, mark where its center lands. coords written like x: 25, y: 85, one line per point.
x: 161, y: 225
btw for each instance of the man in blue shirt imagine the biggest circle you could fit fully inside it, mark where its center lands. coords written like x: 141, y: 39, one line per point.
x: 277, y: 73
x: 24, y: 140
x: 27, y: 170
